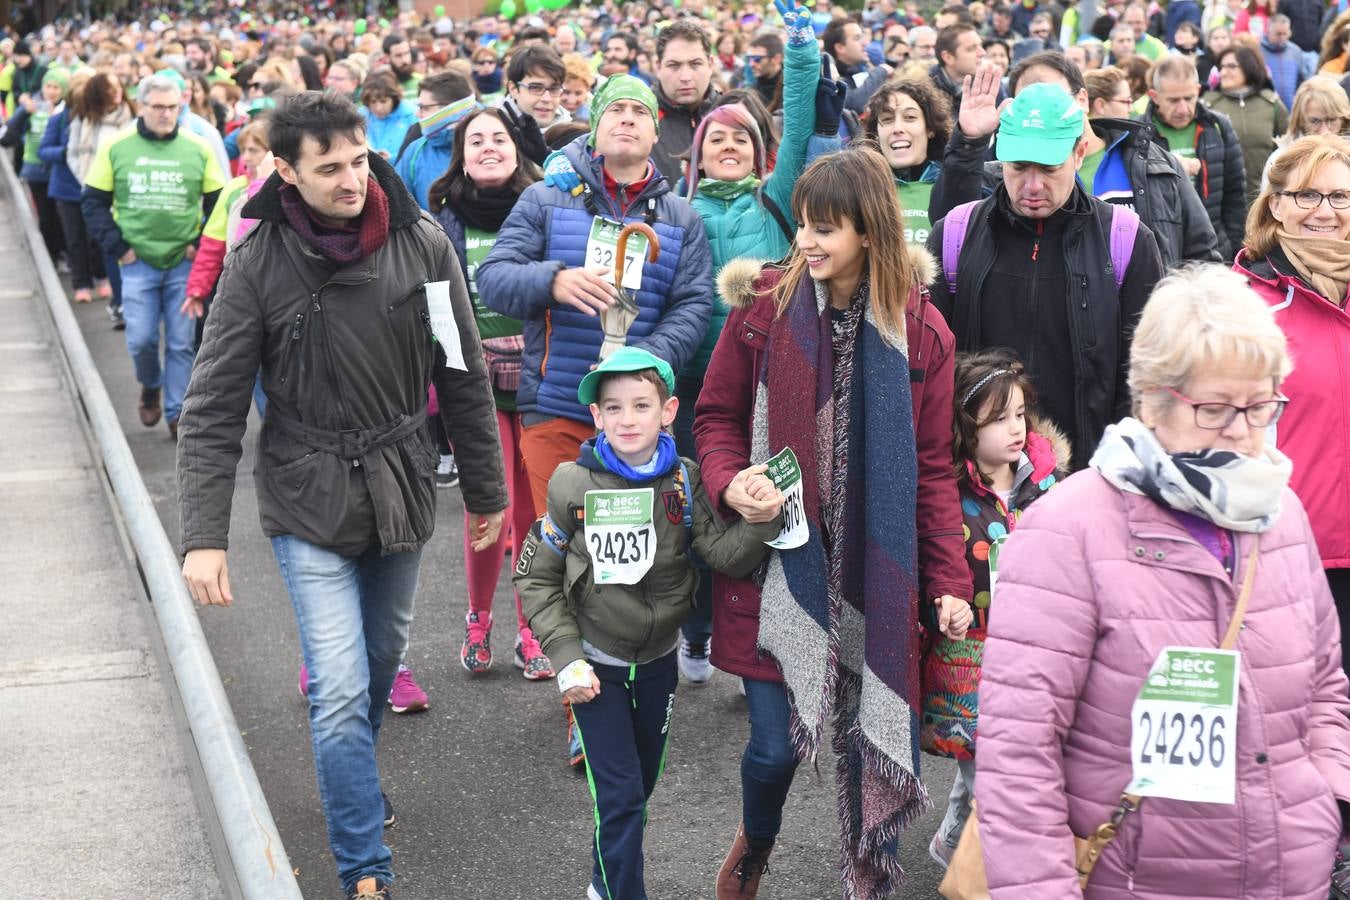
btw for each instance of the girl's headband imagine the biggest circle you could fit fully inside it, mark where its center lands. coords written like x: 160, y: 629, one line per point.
x: 982, y: 382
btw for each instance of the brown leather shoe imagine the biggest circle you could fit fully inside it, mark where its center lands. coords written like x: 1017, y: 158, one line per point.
x: 173, y: 429
x: 746, y: 862
x: 149, y: 408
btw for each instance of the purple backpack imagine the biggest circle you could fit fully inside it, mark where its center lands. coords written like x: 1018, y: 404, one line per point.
x: 1124, y: 227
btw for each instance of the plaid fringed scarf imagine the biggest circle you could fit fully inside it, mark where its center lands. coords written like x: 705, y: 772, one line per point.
x: 840, y: 613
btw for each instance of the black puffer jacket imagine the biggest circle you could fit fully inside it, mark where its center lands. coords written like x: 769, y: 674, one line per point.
x: 346, y: 354
x: 678, y: 124
x: 1047, y: 290
x: 1163, y: 196
x: 1221, y: 183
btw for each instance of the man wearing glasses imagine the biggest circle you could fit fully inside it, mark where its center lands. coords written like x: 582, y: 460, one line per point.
x: 1206, y: 144
x: 443, y: 99
x: 145, y: 197
x: 534, y: 85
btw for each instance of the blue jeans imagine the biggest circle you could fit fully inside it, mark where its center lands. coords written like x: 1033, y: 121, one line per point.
x: 768, y: 764
x: 354, y: 614
x: 698, y: 627
x: 150, y: 298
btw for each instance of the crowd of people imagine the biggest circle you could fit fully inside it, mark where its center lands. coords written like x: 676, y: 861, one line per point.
x: 751, y: 335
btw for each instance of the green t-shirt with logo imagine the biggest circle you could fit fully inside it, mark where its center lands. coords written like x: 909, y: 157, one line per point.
x: 1180, y: 141
x: 491, y: 324
x: 914, y: 196
x: 37, y: 127
x: 157, y: 189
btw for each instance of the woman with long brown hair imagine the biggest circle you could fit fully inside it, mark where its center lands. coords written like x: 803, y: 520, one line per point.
x: 486, y: 175
x: 837, y: 356
x: 96, y: 113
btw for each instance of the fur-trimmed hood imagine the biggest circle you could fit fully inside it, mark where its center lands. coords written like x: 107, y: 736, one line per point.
x: 739, y: 282
x: 1060, y: 458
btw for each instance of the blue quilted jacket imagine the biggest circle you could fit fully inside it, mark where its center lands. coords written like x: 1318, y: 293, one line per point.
x: 546, y: 232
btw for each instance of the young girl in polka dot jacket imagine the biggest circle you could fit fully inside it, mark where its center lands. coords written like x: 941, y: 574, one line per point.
x: 1004, y: 459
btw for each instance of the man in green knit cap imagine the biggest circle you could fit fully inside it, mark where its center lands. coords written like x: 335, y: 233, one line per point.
x: 553, y: 268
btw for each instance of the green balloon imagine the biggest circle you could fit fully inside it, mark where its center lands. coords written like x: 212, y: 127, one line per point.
x: 439, y: 11
x: 359, y: 26
x: 508, y: 9
x: 533, y: 6
x: 556, y: 4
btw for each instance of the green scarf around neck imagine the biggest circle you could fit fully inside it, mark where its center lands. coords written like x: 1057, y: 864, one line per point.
x: 727, y: 190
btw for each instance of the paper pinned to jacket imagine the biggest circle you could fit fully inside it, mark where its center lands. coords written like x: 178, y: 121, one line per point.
x: 443, y: 324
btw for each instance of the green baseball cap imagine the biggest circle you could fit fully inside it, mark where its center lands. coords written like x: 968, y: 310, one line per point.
x: 625, y: 359
x: 1042, y: 125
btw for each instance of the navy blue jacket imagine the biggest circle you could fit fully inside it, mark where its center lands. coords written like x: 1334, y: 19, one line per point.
x: 546, y: 232
x: 62, y: 184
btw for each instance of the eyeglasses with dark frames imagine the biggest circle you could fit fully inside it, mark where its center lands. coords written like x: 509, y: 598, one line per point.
x: 1313, y: 199
x: 1213, y: 416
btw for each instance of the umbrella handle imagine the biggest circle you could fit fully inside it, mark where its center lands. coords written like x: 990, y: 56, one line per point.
x: 653, y: 247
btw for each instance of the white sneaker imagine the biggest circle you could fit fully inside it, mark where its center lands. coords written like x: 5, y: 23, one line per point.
x: 592, y: 893
x: 447, y: 473
x: 694, y: 664
x: 941, y: 853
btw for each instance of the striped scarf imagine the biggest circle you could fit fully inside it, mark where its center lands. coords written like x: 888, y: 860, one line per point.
x: 840, y: 613
x: 448, y: 115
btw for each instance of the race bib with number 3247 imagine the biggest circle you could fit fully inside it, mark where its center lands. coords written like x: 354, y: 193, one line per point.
x: 602, y: 249
x: 1183, y: 742
x: 620, y: 535
x: 786, y: 475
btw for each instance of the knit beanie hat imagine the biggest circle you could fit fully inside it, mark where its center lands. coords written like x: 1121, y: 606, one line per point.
x: 622, y: 87
x: 22, y: 48
x: 60, y: 76
x: 732, y: 115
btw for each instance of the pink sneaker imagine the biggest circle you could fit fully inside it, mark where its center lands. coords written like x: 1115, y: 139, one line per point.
x: 304, y: 680
x: 530, y: 657
x: 476, y: 653
x: 406, y: 696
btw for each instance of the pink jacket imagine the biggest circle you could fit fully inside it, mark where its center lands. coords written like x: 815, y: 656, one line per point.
x: 1092, y: 585
x: 1315, y: 429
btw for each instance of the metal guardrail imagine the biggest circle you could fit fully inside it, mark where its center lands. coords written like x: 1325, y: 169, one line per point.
x: 257, y: 858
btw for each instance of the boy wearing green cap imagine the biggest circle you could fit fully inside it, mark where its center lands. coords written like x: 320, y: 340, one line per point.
x: 606, y: 582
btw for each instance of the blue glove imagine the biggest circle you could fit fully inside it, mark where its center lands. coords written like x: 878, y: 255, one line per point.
x: 796, y: 22
x: 558, y: 173
x: 830, y: 96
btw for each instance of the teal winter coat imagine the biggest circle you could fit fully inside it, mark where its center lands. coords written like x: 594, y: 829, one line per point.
x: 741, y: 226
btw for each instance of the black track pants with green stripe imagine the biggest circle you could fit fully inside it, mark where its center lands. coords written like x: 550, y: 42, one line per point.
x: 625, y: 732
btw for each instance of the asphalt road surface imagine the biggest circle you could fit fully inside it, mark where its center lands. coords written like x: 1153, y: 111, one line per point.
x: 487, y: 807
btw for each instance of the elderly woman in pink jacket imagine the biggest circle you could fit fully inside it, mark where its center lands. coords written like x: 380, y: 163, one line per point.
x: 1102, y: 673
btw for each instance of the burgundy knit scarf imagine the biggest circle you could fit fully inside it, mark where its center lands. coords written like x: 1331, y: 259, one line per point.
x: 366, y: 234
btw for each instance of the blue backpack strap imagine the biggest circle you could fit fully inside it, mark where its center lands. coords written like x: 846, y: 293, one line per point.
x: 686, y: 502
x: 953, y: 238
x: 1124, y: 228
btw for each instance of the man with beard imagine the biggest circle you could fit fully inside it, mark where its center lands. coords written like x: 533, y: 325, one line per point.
x: 399, y: 54
x: 201, y: 57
